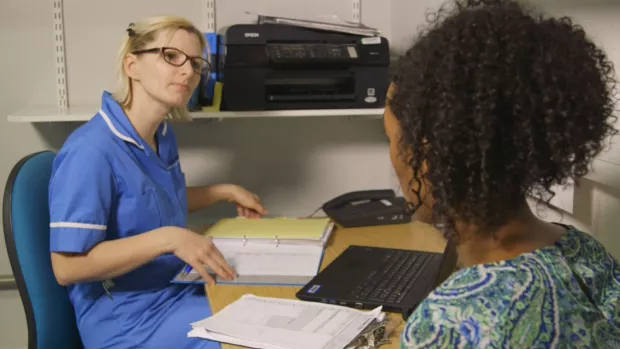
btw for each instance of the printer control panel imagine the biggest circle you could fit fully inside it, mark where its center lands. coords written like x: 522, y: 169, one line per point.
x: 311, y: 52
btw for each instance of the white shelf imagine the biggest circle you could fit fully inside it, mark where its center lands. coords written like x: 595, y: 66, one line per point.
x: 72, y: 114
x: 375, y: 112
x: 52, y: 114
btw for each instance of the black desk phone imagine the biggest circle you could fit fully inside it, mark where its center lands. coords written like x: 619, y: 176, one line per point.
x: 368, y: 208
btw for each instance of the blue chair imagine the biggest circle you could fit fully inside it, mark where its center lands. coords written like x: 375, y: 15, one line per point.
x: 50, y: 315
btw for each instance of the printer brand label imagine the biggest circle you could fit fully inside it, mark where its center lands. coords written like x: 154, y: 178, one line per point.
x: 314, y: 288
x: 251, y: 35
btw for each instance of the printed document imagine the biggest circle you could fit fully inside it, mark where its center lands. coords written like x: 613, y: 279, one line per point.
x: 273, y: 323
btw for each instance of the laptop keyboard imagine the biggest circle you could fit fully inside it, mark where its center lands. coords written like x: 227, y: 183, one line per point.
x: 392, y: 281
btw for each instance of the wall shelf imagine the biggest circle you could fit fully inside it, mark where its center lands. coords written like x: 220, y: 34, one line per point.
x: 80, y: 114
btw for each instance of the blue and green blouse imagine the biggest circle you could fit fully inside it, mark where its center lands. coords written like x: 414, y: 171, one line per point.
x: 566, y: 295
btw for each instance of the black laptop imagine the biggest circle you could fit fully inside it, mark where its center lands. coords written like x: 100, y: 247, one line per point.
x: 366, y: 277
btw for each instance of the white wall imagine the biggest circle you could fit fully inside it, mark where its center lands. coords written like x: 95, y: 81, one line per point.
x: 315, y: 158
x: 407, y: 18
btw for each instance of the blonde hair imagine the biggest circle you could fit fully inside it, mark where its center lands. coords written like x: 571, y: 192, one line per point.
x: 138, y: 36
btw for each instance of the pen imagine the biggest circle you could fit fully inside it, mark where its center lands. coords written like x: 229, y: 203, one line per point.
x: 188, y: 268
x: 107, y: 285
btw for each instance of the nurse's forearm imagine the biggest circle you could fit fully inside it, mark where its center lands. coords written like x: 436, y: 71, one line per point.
x: 110, y: 259
x: 199, y: 198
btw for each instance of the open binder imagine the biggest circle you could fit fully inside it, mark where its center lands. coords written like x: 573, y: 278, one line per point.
x: 277, y: 251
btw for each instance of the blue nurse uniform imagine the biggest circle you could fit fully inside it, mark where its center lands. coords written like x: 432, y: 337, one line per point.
x: 107, y: 184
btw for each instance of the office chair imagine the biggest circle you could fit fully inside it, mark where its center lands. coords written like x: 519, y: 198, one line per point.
x: 50, y: 315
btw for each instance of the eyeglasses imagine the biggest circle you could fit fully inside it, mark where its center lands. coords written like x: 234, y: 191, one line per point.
x: 178, y: 58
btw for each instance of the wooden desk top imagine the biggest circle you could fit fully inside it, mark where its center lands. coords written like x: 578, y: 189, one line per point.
x: 415, y: 236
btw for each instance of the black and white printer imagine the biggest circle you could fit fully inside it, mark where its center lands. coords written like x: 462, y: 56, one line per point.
x: 274, y: 67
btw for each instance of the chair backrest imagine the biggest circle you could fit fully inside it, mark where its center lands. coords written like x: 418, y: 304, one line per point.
x: 49, y: 313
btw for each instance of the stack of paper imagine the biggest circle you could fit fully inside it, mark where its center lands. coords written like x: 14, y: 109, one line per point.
x: 335, y: 25
x: 273, y: 323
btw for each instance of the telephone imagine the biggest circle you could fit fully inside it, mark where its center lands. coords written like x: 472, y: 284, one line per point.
x: 368, y: 208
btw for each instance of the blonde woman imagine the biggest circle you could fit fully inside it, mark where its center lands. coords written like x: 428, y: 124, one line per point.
x: 119, y: 201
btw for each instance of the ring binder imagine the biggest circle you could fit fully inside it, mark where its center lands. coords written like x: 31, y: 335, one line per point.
x: 268, y: 251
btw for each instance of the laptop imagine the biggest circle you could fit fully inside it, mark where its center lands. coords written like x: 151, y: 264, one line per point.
x: 365, y: 277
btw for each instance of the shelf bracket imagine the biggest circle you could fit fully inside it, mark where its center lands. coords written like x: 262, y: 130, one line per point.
x: 59, y: 47
x: 357, y: 10
x: 209, y: 16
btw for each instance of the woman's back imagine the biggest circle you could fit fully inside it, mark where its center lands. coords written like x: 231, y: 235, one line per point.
x: 564, y: 295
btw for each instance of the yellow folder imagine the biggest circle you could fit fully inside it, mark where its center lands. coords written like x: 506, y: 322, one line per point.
x: 270, y: 228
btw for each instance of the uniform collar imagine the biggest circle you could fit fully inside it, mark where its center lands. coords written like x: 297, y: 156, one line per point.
x: 118, y: 122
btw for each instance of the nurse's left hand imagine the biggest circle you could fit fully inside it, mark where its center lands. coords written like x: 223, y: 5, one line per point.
x: 248, y: 204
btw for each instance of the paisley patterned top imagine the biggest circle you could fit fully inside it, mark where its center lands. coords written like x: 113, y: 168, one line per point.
x: 562, y: 296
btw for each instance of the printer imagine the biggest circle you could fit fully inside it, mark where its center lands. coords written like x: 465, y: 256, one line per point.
x: 275, y: 67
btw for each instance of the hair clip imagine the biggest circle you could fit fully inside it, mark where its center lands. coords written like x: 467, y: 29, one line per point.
x: 130, y: 30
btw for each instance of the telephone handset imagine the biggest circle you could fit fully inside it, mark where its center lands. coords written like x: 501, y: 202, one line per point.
x: 368, y: 208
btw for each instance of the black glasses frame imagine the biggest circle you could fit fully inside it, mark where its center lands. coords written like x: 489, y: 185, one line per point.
x: 160, y: 50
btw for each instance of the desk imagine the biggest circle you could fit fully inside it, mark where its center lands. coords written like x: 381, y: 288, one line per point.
x: 415, y: 236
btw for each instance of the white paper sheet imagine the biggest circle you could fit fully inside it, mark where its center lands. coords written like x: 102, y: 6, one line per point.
x: 274, y: 323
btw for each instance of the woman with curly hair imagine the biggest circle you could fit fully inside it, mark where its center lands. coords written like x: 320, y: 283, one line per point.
x: 491, y: 105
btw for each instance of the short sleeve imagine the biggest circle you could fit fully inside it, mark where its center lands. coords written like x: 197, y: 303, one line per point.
x: 81, y: 191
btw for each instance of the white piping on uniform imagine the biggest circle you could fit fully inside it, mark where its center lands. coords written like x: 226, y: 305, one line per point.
x: 78, y: 225
x: 115, y: 131
x: 163, y: 132
x: 173, y: 165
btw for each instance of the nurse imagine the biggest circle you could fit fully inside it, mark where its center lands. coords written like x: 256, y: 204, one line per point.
x: 119, y: 202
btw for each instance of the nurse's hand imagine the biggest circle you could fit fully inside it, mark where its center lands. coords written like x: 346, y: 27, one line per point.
x: 199, y: 251
x: 248, y: 204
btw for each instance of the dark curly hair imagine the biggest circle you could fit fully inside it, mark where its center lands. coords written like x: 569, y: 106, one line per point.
x: 500, y: 104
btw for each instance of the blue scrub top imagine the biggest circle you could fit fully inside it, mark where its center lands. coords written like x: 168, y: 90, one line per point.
x: 108, y: 183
